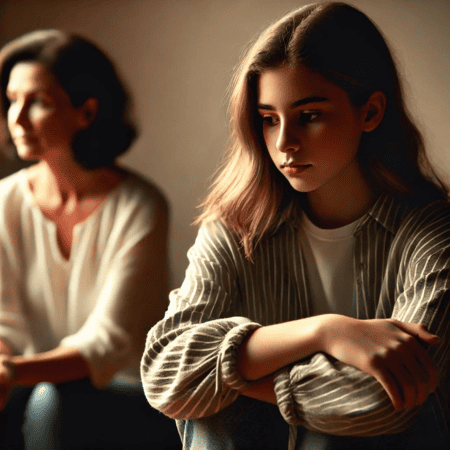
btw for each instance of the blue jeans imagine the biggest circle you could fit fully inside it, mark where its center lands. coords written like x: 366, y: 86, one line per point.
x: 250, y: 424
x: 78, y: 416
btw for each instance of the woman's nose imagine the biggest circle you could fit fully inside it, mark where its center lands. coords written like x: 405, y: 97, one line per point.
x: 288, y: 139
x: 19, y: 115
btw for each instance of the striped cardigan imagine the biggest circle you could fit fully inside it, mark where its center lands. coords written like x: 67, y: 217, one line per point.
x: 401, y: 270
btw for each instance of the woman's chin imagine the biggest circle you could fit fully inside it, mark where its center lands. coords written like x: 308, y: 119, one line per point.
x: 28, y: 153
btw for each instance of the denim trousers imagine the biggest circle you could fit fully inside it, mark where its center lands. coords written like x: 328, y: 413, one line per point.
x: 249, y: 424
x: 74, y: 416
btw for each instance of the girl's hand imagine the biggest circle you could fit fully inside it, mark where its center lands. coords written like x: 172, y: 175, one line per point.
x: 6, y: 379
x: 388, y: 350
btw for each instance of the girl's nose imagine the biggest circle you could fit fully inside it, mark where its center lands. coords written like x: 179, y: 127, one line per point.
x: 288, y: 139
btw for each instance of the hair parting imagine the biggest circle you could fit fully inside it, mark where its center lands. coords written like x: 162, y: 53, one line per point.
x: 341, y: 43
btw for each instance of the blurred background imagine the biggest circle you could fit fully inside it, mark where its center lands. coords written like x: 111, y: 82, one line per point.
x: 177, y: 58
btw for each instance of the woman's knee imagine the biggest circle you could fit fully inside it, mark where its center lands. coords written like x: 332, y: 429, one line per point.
x: 41, y: 417
x: 44, y: 401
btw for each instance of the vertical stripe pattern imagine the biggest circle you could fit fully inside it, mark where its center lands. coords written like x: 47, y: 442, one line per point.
x: 401, y: 270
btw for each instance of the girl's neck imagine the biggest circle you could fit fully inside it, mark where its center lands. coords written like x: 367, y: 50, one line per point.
x: 339, y: 204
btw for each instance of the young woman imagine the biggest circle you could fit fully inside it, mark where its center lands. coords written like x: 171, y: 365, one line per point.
x: 318, y: 288
x: 83, y: 254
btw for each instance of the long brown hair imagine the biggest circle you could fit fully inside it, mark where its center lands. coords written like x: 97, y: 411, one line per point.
x: 338, y: 41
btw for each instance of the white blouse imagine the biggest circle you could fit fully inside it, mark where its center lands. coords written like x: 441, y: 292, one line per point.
x: 94, y: 301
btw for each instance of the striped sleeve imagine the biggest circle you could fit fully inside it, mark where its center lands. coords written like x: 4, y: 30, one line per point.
x: 188, y: 368
x: 328, y: 396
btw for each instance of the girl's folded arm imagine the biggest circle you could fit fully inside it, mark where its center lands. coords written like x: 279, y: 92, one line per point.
x: 325, y: 394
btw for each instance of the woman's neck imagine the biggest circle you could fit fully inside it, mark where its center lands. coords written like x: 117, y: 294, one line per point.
x: 53, y: 185
x: 334, y: 206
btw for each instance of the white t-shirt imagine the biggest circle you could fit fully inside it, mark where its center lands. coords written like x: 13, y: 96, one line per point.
x: 94, y: 301
x: 328, y: 255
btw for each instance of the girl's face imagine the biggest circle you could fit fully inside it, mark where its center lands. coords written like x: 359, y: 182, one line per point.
x: 41, y: 117
x: 311, y: 129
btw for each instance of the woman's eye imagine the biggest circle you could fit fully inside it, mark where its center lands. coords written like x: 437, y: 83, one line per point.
x: 306, y: 117
x: 40, y: 101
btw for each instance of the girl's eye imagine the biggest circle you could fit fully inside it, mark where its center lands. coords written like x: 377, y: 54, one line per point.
x: 306, y: 116
x: 269, y: 120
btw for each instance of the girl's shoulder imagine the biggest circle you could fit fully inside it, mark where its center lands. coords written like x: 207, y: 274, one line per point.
x: 216, y: 241
x: 215, y: 232
x: 400, y: 215
x: 425, y: 229
x: 432, y: 215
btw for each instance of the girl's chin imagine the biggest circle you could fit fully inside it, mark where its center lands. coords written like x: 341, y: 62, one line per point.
x: 301, y: 187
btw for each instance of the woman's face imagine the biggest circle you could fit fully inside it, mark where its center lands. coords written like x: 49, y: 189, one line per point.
x: 41, y: 118
x: 311, y: 129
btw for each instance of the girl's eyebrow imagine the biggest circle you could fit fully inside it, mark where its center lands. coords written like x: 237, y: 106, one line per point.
x: 303, y: 101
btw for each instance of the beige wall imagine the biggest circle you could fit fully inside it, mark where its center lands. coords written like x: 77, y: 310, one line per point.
x: 177, y: 57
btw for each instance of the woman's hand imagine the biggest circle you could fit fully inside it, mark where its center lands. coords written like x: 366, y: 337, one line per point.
x: 6, y: 379
x: 388, y: 350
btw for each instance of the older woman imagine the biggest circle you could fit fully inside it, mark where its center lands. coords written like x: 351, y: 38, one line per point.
x: 83, y: 252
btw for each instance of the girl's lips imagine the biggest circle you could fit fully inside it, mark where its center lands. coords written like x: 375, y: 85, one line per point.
x: 295, y: 170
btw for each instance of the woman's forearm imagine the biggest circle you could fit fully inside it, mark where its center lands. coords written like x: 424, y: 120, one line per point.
x: 272, y: 347
x: 60, y: 365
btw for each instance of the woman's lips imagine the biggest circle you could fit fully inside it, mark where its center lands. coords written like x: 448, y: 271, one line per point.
x: 297, y: 169
x: 25, y: 139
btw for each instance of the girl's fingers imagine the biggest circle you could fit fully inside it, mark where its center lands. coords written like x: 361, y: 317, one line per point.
x: 417, y: 330
x: 412, y: 370
x: 415, y: 372
x: 429, y: 371
x: 406, y: 383
x: 415, y: 383
x: 391, y: 387
x: 426, y: 336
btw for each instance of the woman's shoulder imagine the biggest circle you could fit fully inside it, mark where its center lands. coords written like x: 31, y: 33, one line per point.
x: 137, y: 191
x: 135, y: 206
x: 13, y: 205
x: 12, y: 189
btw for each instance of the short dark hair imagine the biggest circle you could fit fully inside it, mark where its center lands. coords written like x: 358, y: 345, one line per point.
x: 83, y: 71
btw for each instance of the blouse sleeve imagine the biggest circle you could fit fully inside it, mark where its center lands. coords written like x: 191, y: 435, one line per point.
x: 328, y: 396
x: 188, y: 368
x: 133, y: 296
x: 13, y: 324
x: 14, y: 327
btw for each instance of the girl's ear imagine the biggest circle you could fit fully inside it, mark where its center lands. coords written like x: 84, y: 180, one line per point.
x: 374, y: 110
x: 88, y: 112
